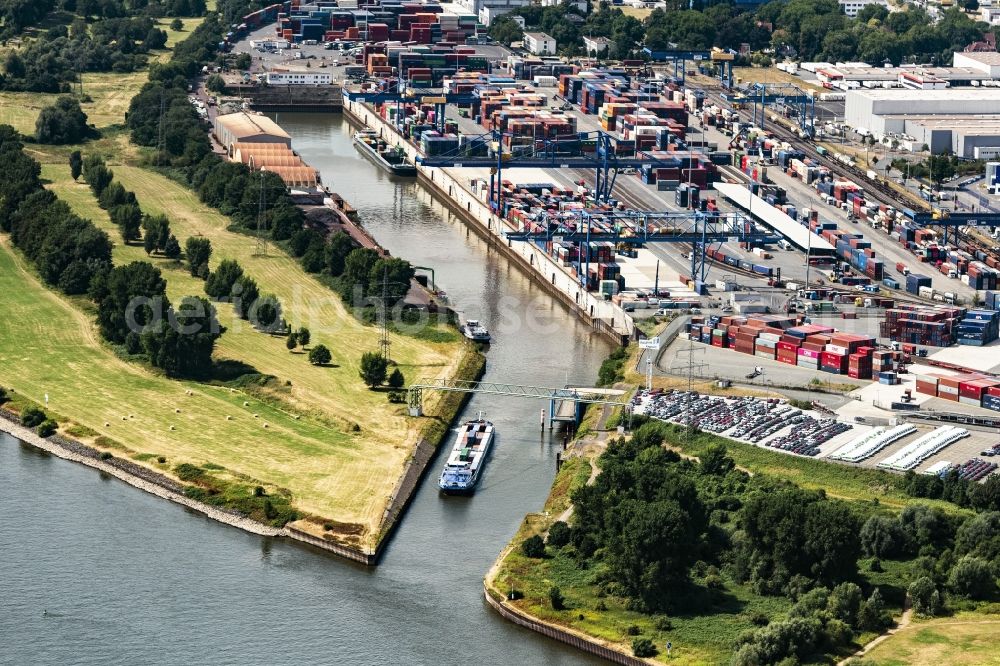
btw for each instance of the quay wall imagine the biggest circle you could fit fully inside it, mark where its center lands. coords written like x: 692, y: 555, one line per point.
x: 604, y: 316
x: 580, y: 642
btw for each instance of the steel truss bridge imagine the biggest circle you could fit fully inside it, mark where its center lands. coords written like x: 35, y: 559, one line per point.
x: 579, y: 396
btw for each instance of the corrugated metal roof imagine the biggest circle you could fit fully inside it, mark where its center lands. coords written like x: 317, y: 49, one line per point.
x: 797, y: 234
x: 298, y: 176
x: 244, y: 124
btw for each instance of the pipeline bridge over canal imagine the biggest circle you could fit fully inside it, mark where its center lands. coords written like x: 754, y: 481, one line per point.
x: 565, y: 404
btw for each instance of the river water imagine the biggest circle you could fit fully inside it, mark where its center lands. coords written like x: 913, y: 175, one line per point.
x: 93, y: 571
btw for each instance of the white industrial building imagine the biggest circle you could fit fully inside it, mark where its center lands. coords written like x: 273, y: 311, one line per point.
x: 277, y: 78
x: 539, y: 43
x: 852, y: 7
x: 964, y: 121
x: 987, y: 62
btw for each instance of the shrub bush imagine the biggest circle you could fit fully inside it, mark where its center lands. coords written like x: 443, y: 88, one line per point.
x: 188, y: 472
x: 556, y: 598
x: 643, y: 647
x: 47, y: 428
x: 533, y: 547
x: 32, y: 417
x: 559, y: 534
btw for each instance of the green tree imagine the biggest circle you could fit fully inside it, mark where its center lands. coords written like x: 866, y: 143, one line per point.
x: 291, y: 342
x: 973, y: 578
x: 4, y: 397
x: 97, y: 175
x: 265, y: 314
x: 245, y: 293
x: 881, y: 537
x: 63, y: 122
x: 117, y: 295
x: 75, y: 164
x: 506, y: 31
x: 172, y: 249
x: 925, y: 597
x: 980, y: 536
x: 198, y: 251
x: 182, y: 342
x: 396, y: 379
x: 533, y: 547
x: 115, y: 194
x: 176, y: 25
x: 844, y: 602
x: 373, y: 369
x: 216, y: 84
x: 559, y: 534
x: 716, y: 461
x: 219, y: 284
x: 337, y: 249
x: 155, y: 233
x: 243, y: 61
x: 358, y: 269
x: 128, y: 218
x: 304, y: 336
x: 319, y: 355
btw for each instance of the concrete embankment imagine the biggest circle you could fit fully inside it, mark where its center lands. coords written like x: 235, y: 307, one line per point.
x: 129, y: 472
x: 164, y: 487
x: 605, y: 317
x: 579, y: 641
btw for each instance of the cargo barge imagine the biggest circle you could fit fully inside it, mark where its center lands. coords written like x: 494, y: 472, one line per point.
x: 392, y: 160
x: 467, y: 459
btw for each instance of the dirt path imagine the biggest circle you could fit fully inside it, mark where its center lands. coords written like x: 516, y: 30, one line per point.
x: 904, y: 622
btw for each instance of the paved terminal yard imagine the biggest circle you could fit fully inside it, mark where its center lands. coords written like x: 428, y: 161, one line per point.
x: 821, y: 434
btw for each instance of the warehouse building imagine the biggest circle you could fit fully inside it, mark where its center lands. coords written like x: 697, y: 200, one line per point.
x: 248, y: 128
x: 964, y: 121
x: 539, y: 43
x: 291, y: 78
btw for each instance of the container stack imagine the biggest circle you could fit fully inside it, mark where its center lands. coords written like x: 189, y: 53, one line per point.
x: 914, y: 282
x: 933, y: 326
x: 978, y: 327
x: 969, y: 389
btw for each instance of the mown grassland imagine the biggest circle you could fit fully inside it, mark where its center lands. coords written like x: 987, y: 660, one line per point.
x: 967, y: 639
x: 336, y: 447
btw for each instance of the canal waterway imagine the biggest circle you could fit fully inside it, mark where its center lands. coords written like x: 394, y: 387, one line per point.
x: 96, y: 572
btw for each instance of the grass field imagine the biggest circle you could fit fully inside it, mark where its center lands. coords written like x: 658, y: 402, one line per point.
x: 349, y: 478
x: 110, y: 92
x: 967, y: 638
x: 335, y: 446
x: 771, y: 75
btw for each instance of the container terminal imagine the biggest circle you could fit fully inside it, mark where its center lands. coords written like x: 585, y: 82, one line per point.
x: 636, y: 187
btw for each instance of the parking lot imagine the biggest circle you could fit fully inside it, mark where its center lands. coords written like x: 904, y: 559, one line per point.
x: 777, y: 425
x: 762, y: 422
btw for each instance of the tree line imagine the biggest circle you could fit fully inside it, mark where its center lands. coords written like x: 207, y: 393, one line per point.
x: 665, y: 533
x: 104, y: 36
x: 74, y: 256
x: 123, y: 208
x: 805, y: 29
x: 235, y: 191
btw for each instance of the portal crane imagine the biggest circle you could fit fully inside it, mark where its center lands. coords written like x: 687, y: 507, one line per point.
x: 634, y: 227
x: 766, y: 94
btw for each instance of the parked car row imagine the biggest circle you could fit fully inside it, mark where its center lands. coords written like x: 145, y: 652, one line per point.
x: 808, y: 434
x: 752, y: 420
